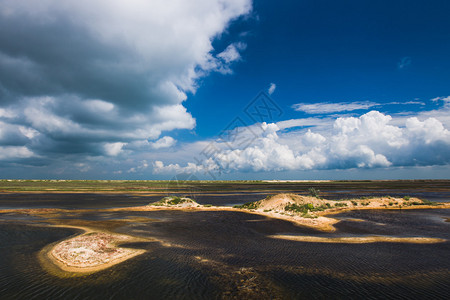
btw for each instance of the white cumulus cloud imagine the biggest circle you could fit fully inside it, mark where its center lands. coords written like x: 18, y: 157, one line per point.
x: 368, y: 141
x: 327, y: 107
x: 113, y: 149
x: 164, y: 142
x: 272, y: 88
x: 15, y: 152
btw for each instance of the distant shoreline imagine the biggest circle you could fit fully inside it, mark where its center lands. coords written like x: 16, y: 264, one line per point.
x: 204, y: 186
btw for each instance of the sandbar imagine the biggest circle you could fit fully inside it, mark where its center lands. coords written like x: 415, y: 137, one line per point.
x: 92, y: 251
x: 359, y: 239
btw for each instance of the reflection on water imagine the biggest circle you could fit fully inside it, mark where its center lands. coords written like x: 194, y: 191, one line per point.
x: 211, y: 255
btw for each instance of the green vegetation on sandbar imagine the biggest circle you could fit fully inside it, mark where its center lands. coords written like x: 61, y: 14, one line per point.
x: 305, y: 208
x: 248, y: 205
x: 173, y: 200
x: 424, y: 202
x: 313, y: 192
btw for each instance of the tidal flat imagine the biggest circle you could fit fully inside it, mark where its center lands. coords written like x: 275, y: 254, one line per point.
x: 223, y: 253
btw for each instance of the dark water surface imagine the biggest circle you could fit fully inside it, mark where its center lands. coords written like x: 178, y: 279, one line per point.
x: 95, y: 200
x: 216, y: 255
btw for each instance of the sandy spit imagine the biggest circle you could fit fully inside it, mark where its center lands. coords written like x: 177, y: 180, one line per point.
x: 359, y: 240
x: 91, y: 251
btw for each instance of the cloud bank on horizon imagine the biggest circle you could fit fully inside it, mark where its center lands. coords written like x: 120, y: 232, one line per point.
x: 368, y: 141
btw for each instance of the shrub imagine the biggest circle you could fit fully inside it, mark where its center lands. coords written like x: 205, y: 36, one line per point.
x: 309, y: 216
x: 172, y: 200
x: 322, y: 207
x: 354, y: 203
x: 248, y: 205
x: 428, y: 202
x: 340, y: 204
x: 299, y: 208
x: 424, y: 202
x: 176, y: 200
x: 313, y: 192
x: 407, y: 198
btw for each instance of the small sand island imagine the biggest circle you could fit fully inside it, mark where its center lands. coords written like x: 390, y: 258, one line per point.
x: 311, y: 211
x: 91, y: 251
x: 175, y: 201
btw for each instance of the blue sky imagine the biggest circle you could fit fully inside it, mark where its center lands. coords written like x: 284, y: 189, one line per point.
x: 335, y: 51
x: 152, y: 89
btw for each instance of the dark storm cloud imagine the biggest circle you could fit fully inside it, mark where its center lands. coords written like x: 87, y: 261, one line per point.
x: 58, y: 57
x: 86, y: 78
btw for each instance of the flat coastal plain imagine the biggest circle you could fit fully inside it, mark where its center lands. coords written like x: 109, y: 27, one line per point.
x: 212, y: 230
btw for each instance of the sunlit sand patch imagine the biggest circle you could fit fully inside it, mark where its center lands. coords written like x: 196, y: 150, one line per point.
x: 359, y: 240
x: 320, y: 223
x: 171, y: 245
x: 354, y: 220
x: 362, y: 221
x: 136, y: 219
x: 92, y: 251
x: 202, y: 259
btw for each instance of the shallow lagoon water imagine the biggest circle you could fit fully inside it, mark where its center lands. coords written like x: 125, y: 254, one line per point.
x: 215, y: 255
x: 97, y: 201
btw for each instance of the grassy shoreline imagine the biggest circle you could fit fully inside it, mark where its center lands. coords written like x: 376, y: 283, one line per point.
x: 120, y: 186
